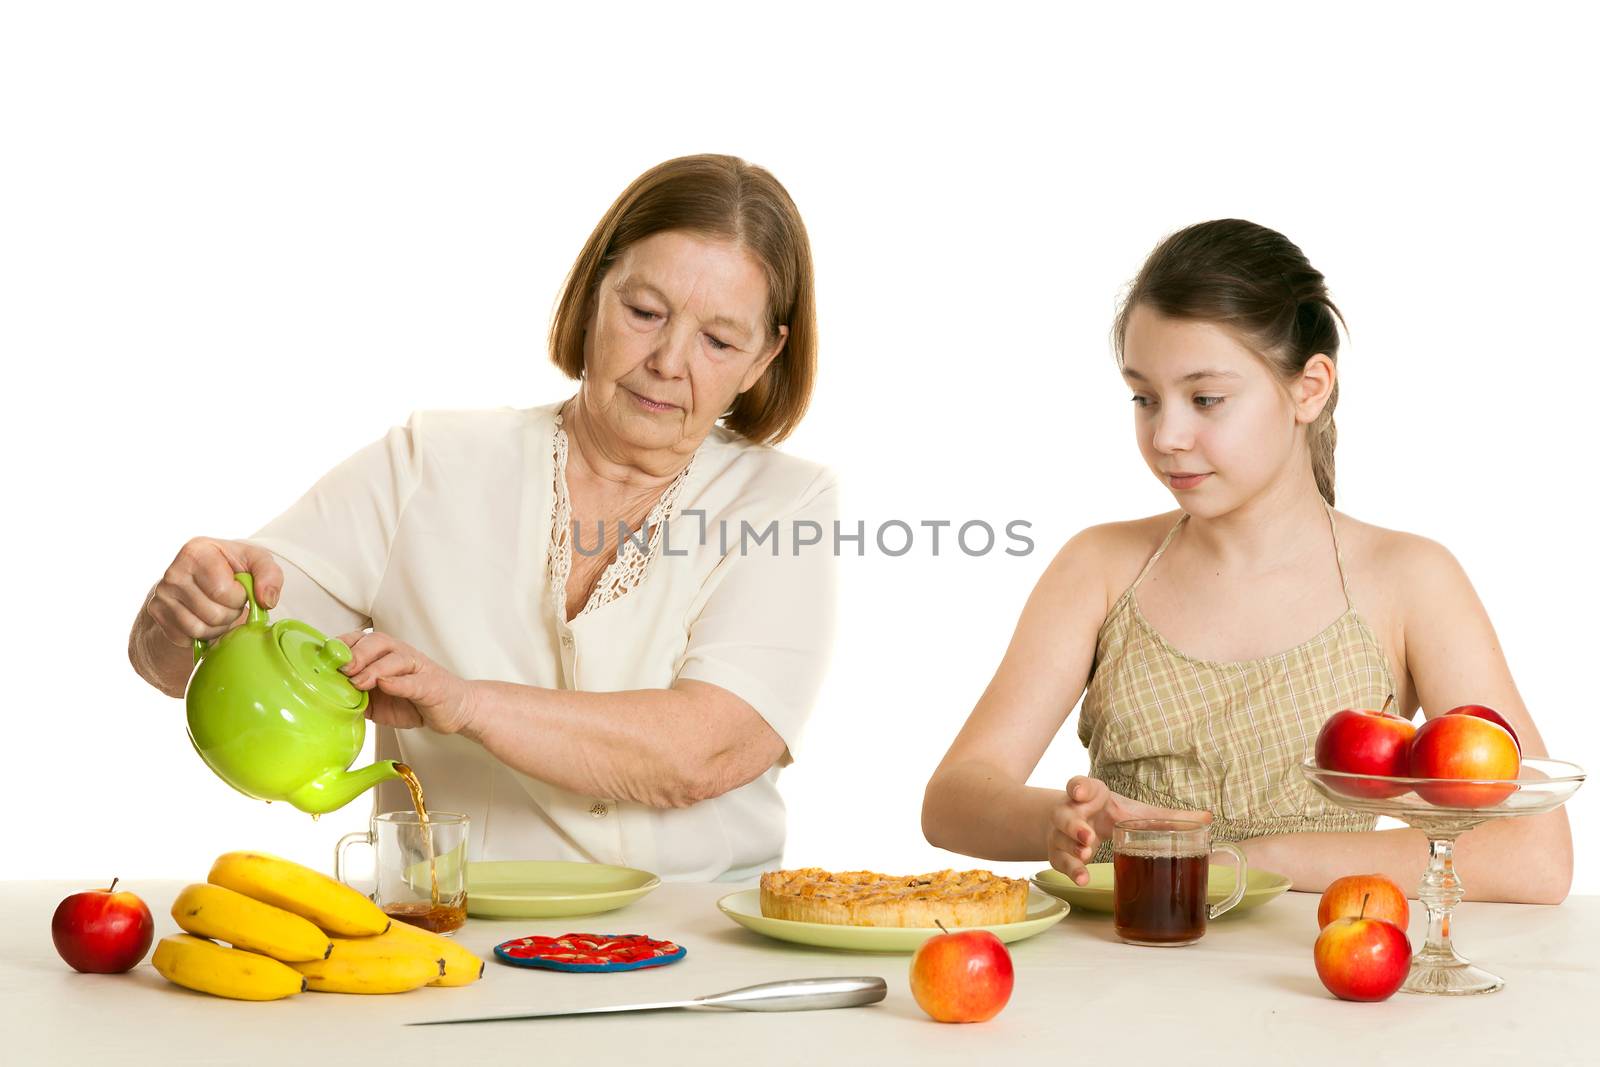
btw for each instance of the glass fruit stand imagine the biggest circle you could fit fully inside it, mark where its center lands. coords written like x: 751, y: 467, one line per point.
x: 1444, y: 809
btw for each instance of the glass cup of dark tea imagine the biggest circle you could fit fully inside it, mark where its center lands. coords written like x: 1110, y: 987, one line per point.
x: 1161, y: 869
x: 421, y: 867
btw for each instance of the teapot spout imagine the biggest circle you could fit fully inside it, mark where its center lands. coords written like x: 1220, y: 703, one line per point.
x: 335, y: 789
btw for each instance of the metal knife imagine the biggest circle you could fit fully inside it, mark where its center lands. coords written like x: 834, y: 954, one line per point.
x: 803, y: 994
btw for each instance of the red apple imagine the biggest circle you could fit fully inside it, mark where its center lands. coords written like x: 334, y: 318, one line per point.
x: 101, y: 931
x: 1346, y: 897
x: 1464, y: 746
x: 962, y: 977
x: 1362, y: 959
x: 1493, y: 716
x: 1357, y: 741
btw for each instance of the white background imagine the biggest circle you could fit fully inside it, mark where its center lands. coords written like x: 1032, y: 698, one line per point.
x: 237, y: 242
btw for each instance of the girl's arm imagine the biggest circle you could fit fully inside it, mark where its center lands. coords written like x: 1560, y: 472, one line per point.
x: 1313, y: 860
x: 1454, y: 658
x: 977, y: 801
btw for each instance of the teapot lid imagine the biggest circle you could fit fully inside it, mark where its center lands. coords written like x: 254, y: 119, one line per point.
x: 315, y: 661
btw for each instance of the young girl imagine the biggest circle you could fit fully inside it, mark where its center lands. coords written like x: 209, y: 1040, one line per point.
x: 1203, y: 634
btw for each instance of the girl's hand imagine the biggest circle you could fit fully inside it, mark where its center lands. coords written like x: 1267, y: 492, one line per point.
x: 406, y: 689
x: 1085, y: 818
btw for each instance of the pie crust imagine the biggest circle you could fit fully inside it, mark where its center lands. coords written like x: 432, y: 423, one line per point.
x: 866, y: 898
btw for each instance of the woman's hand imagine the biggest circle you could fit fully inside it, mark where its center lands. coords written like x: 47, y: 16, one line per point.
x: 1085, y: 818
x: 406, y: 689
x: 198, y: 597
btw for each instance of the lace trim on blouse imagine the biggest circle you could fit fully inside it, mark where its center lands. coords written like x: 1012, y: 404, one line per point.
x: 624, y: 573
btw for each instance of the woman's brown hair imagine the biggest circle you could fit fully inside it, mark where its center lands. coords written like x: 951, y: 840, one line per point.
x: 712, y: 196
x: 1257, y: 283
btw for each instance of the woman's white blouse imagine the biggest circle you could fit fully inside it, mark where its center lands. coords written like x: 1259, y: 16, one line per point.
x: 438, y: 534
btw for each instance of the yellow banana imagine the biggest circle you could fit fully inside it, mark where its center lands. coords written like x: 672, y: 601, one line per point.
x: 195, y: 963
x: 461, y: 967
x: 332, y: 905
x: 358, y: 965
x: 212, y: 911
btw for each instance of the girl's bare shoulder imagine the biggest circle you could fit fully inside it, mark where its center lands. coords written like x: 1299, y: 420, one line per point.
x: 1391, y: 555
x: 1116, y: 551
x: 1394, y: 572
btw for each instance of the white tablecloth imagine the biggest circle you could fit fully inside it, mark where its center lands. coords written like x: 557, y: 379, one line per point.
x: 1248, y: 993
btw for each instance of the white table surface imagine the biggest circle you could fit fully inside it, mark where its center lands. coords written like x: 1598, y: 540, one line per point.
x: 1246, y: 993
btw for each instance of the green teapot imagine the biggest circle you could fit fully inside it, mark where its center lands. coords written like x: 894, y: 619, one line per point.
x: 271, y: 714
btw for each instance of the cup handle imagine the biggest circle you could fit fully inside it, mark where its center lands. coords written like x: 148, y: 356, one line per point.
x: 1239, y: 880
x: 363, y: 837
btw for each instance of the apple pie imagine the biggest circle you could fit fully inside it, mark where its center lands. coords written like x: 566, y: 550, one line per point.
x: 866, y: 898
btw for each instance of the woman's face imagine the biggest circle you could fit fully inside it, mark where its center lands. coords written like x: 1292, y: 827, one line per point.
x: 1213, y: 422
x: 677, y: 331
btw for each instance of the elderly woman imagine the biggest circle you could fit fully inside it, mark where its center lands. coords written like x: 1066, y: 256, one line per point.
x: 582, y: 632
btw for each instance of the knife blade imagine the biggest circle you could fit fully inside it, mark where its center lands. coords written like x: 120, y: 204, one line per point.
x: 802, y: 994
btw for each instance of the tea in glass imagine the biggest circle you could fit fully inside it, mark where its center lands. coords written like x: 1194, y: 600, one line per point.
x: 1161, y: 870
x: 421, y: 867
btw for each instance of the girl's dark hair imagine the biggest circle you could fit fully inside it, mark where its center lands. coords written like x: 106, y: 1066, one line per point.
x: 1258, y: 284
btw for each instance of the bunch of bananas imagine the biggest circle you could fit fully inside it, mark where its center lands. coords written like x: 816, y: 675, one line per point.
x: 292, y: 929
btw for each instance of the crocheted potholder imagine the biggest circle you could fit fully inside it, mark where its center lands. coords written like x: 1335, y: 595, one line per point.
x: 589, y: 952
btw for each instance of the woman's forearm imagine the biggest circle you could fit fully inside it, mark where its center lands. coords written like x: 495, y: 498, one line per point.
x: 977, y: 812
x: 658, y: 747
x: 1524, y: 861
x: 157, y: 660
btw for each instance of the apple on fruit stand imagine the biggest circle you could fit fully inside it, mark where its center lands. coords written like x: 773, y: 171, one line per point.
x: 101, y: 931
x: 1363, y: 959
x: 1465, y: 745
x: 962, y: 977
x: 1379, y: 897
x: 1358, y: 741
x: 1481, y: 712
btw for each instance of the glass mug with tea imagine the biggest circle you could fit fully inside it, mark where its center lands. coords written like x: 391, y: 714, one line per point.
x: 421, y: 867
x: 1161, y: 870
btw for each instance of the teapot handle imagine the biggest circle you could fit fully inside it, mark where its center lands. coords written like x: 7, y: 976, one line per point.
x: 258, y: 614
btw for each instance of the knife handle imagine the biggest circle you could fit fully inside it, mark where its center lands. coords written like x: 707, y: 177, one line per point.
x: 803, y: 994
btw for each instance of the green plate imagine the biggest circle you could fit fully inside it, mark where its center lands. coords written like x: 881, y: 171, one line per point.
x: 1259, y: 887
x: 550, y: 889
x: 744, y: 908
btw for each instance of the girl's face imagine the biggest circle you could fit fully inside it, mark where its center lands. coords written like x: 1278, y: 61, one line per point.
x: 1214, y: 424
x: 677, y: 332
